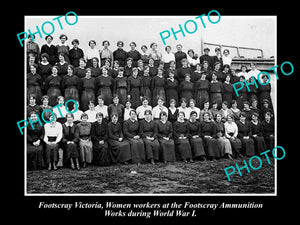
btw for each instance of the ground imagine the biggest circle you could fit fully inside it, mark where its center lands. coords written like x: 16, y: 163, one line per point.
x: 200, y: 177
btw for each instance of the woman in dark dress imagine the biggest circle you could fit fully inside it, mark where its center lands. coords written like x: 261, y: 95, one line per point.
x: 164, y: 134
x: 227, y: 90
x: 80, y: 70
x: 88, y: 87
x: 99, y: 139
x: 186, y: 88
x: 34, y: 145
x: 50, y: 50
x: 201, y: 91
x: 119, y: 147
x: 245, y: 135
x: 53, y: 85
x: 62, y: 65
x: 134, y: 54
x: 75, y: 53
x: 152, y: 69
x: 120, y: 54
x: 215, y: 90
x: 252, y: 94
x: 183, y: 70
x: 158, y: 87
x: 95, y: 69
x: 218, y: 72
x: 257, y: 134
x: 120, y: 86
x: 148, y: 132
x: 131, y: 133
x: 71, y: 84
x: 70, y: 140
x: 105, y: 84
x: 171, y: 87
x: 134, y: 86
x: 181, y: 135
x: 63, y: 48
x: 128, y: 68
x: 172, y: 111
x: 146, y: 84
x: 209, y: 132
x: 264, y: 91
x: 116, y: 108
x: 34, y: 84
x: 268, y: 131
x: 194, y: 138
x: 44, y: 68
x: 243, y: 94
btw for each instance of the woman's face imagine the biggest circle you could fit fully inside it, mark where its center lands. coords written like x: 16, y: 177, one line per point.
x: 172, y: 104
x: 206, y: 105
x: 95, y: 63
x: 193, y: 117
x: 192, y: 104
x: 116, y: 100
x: 52, y: 118
x: 206, y: 116
x: 114, y: 119
x: 70, y: 71
x: 181, y: 116
x: 100, y: 101
x: 163, y: 117
x: 45, y: 101
x: 146, y: 71
x: 49, y: 40
x: 242, y: 118
x: 227, y: 78
x: 120, y: 73
x: 254, y: 117
x: 214, y: 77
x: 217, y: 66
x: 32, y: 69
x: 145, y: 102
x: 61, y: 58
x: 84, y: 119
x: 160, y: 102
x: 244, y: 69
x: 144, y: 49
x: 168, y: 49
x: 105, y: 44
x: 224, y: 106
x: 171, y: 75
x: 104, y: 71
x: 81, y: 63
x: 191, y: 54
x: 154, y: 46
x: 69, y: 119
x: 183, y: 104
x: 226, y: 53
x: 44, y: 59
x: 33, y: 117
x: 132, y: 46
x: 92, y: 45
x: 75, y: 44
x: 61, y: 101
x: 88, y: 73
x: 99, y: 119
x: 128, y: 105
x: 187, y: 78
x: 63, y: 39
x: 132, y: 115
x: 219, y: 117
x: 229, y: 119
x: 91, y: 106
x: 148, y: 116
x: 267, y: 117
x: 54, y: 70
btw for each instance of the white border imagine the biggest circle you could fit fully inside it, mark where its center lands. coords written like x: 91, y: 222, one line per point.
x: 192, y: 194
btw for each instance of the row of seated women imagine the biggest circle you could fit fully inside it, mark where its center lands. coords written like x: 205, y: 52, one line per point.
x: 139, y: 140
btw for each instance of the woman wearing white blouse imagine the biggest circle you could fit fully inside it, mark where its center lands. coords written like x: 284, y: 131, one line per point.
x: 231, y: 132
x: 53, y: 135
x: 226, y: 59
x: 167, y: 57
x: 91, y: 53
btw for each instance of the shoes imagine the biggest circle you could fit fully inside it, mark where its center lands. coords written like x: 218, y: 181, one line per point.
x: 72, y: 166
x: 77, y: 166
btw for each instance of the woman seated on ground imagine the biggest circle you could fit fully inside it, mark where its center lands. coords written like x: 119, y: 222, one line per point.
x: 131, y: 133
x: 34, y: 145
x: 52, y: 137
x: 119, y: 147
x: 195, y: 139
x: 99, y: 139
x: 85, y: 143
x: 164, y: 134
x: 70, y: 140
x: 224, y: 143
x: 245, y: 135
x: 181, y: 134
x: 148, y: 132
x: 209, y: 132
x: 231, y: 132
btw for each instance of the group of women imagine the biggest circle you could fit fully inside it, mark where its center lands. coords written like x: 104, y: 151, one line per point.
x: 150, y: 106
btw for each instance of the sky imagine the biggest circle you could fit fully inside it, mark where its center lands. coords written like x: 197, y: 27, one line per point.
x: 244, y: 31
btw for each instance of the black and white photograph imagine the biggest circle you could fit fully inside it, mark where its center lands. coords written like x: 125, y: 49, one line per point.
x: 155, y: 117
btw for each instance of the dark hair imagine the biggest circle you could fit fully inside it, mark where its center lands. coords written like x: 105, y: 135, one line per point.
x: 103, y: 42
x: 63, y: 35
x: 91, y: 42
x: 120, y: 42
x: 48, y: 36
x: 75, y: 41
x: 132, y: 43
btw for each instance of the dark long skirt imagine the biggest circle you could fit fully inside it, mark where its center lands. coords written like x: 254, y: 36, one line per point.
x: 167, y: 150
x: 71, y: 151
x: 71, y: 92
x: 152, y: 149
x: 187, y: 95
x: 158, y: 92
x: 105, y: 92
x: 236, y: 145
x: 202, y: 96
x: 119, y: 151
x: 137, y: 150
x: 135, y: 97
x: 145, y: 92
x: 248, y: 147
x: 35, y: 159
x: 211, y: 147
x: 259, y: 144
x: 122, y: 93
x: 197, y: 147
x: 183, y: 147
x: 53, y: 93
x: 52, y: 153
x: 216, y: 97
x: 86, y: 96
x: 36, y: 90
x: 101, y: 154
x: 270, y: 142
x: 240, y: 100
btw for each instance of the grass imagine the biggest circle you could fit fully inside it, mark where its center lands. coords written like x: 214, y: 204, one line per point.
x: 206, y: 177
